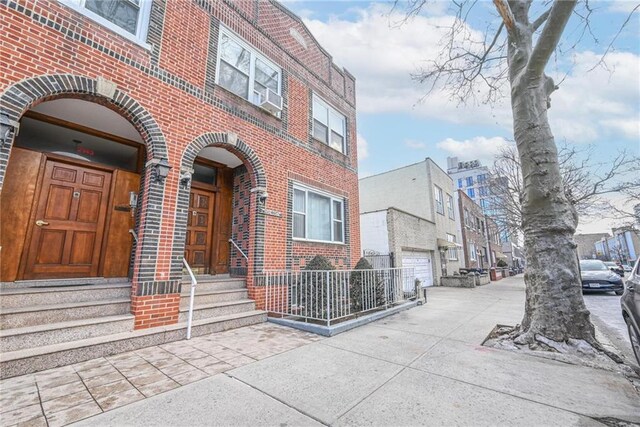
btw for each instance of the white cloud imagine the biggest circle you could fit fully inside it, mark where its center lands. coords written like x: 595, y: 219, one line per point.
x: 624, y: 6
x: 416, y: 145
x: 363, y: 147
x: 382, y: 56
x: 477, y: 148
x: 590, y: 106
x: 596, y: 104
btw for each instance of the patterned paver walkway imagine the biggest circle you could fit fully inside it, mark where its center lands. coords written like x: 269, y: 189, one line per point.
x: 63, y: 395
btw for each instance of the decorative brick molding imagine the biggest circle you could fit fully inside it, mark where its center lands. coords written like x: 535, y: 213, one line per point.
x: 25, y: 94
x: 232, y: 143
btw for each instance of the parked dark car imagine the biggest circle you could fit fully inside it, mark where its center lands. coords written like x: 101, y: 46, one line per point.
x: 630, y: 303
x: 615, y: 268
x: 597, y: 277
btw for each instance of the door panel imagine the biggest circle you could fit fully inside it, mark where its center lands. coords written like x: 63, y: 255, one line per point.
x: 222, y: 231
x: 199, y: 230
x: 118, y: 242
x: 70, y: 217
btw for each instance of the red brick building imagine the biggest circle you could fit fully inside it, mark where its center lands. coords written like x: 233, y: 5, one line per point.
x: 218, y: 131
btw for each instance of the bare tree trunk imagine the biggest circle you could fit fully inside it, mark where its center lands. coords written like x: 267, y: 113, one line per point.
x: 554, y: 306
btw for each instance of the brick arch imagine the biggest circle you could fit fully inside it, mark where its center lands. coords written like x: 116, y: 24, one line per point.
x: 232, y: 143
x: 25, y: 94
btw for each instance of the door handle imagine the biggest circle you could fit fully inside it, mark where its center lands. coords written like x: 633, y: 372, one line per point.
x: 40, y: 223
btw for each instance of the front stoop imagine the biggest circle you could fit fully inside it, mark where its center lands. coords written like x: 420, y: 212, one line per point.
x: 47, y: 327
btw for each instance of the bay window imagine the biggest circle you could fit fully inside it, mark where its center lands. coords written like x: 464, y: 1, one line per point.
x: 317, y: 216
x: 329, y: 126
x: 244, y: 71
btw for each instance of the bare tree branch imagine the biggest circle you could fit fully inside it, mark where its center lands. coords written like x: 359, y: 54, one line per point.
x: 541, y: 19
x: 610, y: 46
x: 550, y: 36
x: 507, y: 16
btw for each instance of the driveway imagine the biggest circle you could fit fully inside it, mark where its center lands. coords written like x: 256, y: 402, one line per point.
x: 422, y: 366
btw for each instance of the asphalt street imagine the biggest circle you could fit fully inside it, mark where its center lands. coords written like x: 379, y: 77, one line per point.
x: 606, y: 313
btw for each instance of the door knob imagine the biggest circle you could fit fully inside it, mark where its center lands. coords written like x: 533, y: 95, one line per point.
x: 40, y: 223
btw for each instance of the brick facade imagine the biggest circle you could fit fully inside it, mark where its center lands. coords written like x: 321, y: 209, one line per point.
x: 473, y: 228
x: 167, y: 90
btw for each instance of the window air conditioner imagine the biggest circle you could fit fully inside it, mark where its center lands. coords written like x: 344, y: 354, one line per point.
x: 272, y: 102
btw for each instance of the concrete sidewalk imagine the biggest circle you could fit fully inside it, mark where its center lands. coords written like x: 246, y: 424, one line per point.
x: 422, y: 366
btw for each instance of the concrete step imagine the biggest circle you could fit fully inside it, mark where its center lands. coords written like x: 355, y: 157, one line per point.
x: 42, y: 314
x: 33, y: 296
x: 216, y: 283
x: 206, y: 311
x: 20, y: 362
x: 210, y: 297
x: 56, y: 333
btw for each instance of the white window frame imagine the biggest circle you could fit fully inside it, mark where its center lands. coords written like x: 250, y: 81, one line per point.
x: 329, y: 124
x: 452, y: 213
x: 439, y: 198
x: 254, y: 55
x: 142, y: 27
x: 452, y: 253
x: 472, y: 252
x: 333, y: 200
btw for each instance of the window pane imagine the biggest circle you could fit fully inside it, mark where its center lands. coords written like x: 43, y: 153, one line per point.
x: 204, y: 173
x: 320, y: 131
x: 298, y: 201
x: 320, y: 113
x: 234, y: 80
x: 337, y: 123
x: 337, y: 231
x: 298, y: 225
x: 337, y: 210
x: 319, y: 217
x: 337, y: 142
x: 266, y: 76
x: 235, y: 54
x: 121, y: 13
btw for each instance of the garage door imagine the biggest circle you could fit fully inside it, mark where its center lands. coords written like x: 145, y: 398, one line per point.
x: 421, y: 264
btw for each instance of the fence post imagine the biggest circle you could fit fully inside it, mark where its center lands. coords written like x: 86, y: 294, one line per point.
x: 386, y: 290
x: 328, y: 301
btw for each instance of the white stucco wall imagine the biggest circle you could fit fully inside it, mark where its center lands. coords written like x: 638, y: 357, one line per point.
x: 374, y: 235
x: 405, y: 188
x: 444, y: 224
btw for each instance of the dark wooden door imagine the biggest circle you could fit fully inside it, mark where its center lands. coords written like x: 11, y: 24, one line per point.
x: 69, y: 222
x: 199, y: 230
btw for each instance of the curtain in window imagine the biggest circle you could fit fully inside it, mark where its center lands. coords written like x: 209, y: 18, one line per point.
x: 298, y: 213
x: 319, y: 217
x: 123, y: 14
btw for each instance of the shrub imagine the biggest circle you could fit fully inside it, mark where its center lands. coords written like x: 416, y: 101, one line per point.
x: 502, y: 263
x: 357, y: 282
x: 313, y: 288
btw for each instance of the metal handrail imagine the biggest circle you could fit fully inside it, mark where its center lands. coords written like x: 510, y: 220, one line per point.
x: 239, y: 250
x: 192, y: 294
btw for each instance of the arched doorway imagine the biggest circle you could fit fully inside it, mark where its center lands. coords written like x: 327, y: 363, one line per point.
x: 222, y: 224
x: 75, y: 194
x: 70, y: 193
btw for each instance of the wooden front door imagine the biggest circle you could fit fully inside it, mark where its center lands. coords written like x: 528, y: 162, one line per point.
x: 69, y: 222
x: 199, y: 230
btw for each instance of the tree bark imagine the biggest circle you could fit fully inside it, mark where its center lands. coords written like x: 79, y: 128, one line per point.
x: 554, y: 306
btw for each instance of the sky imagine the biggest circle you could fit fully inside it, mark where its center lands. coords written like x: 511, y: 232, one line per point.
x: 597, y: 105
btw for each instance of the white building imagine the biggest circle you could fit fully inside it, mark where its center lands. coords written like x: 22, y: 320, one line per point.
x: 411, y: 213
x: 472, y: 178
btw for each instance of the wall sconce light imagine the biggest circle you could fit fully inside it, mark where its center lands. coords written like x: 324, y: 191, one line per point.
x: 185, y: 177
x: 6, y: 126
x: 262, y: 195
x: 160, y: 169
